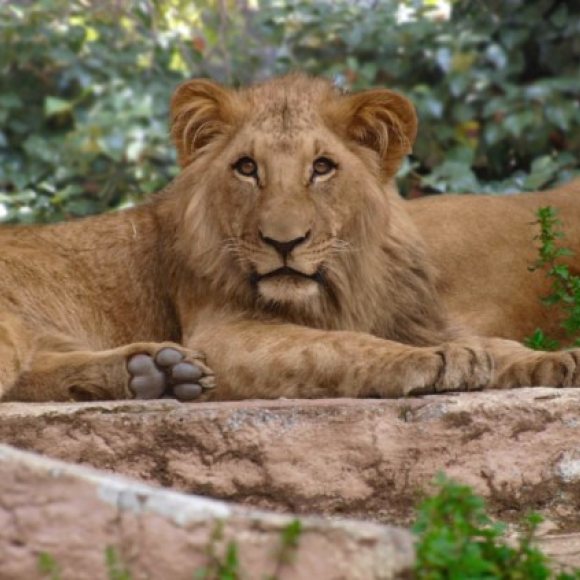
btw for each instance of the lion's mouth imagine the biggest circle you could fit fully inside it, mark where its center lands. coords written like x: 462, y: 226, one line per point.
x: 289, y: 272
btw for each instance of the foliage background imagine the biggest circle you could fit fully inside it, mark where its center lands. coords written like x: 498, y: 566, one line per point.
x: 85, y: 87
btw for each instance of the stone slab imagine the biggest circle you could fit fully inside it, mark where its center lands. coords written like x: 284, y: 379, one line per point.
x: 356, y: 458
x: 371, y: 459
x: 75, y: 514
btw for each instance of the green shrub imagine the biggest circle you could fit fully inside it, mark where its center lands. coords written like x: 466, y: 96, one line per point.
x: 459, y: 541
x: 85, y: 88
x: 497, y: 86
x: 84, y: 98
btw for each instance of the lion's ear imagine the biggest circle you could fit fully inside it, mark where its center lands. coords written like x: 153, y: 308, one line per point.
x: 201, y: 110
x: 382, y: 120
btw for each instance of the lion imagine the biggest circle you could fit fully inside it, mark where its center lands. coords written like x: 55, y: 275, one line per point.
x: 280, y: 262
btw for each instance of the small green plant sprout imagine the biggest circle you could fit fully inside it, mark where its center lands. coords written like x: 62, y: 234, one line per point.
x: 220, y: 567
x: 48, y: 567
x: 286, y: 552
x: 115, y: 567
x: 565, y: 290
x: 290, y: 537
x: 227, y: 566
x: 458, y: 540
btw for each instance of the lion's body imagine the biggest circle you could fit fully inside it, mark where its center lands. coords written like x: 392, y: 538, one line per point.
x: 98, y: 279
x: 284, y: 256
x: 482, y: 247
x: 84, y: 286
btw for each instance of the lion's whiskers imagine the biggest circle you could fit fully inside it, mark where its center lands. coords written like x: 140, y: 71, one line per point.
x: 239, y: 249
x: 339, y: 245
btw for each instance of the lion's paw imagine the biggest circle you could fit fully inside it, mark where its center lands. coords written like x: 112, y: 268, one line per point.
x: 449, y: 367
x: 545, y: 369
x: 169, y: 372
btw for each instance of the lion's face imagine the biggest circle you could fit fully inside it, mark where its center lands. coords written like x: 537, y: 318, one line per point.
x: 285, y: 204
x: 288, y: 182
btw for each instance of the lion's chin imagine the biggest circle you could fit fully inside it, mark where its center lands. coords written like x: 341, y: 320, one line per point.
x: 288, y: 290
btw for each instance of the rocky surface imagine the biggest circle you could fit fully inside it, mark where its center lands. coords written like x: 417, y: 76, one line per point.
x: 369, y: 459
x: 75, y: 514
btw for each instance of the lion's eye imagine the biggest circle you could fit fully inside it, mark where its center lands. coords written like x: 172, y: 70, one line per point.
x: 322, y: 166
x: 246, y: 166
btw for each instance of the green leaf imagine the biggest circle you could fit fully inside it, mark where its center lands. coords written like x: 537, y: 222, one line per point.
x: 518, y: 122
x: 10, y: 101
x: 291, y: 533
x: 452, y: 176
x: 56, y: 106
x: 539, y: 341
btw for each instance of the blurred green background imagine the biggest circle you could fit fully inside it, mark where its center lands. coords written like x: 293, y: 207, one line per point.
x: 85, y: 87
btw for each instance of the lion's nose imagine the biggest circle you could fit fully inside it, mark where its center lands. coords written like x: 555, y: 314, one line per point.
x: 284, y: 248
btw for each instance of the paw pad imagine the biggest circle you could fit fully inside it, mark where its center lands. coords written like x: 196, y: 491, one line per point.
x: 169, y: 373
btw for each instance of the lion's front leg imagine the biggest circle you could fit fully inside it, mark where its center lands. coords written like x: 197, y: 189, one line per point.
x: 253, y: 359
x: 145, y: 370
x: 518, y: 366
x: 453, y: 366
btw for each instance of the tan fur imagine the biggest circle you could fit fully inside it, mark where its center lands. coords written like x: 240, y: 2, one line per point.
x: 482, y: 247
x: 369, y: 314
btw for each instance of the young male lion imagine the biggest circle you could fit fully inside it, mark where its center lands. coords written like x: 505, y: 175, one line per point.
x: 281, y: 252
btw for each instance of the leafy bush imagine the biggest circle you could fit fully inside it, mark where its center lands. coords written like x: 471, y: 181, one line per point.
x: 83, y: 107
x: 85, y: 87
x: 458, y: 540
x: 497, y: 86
